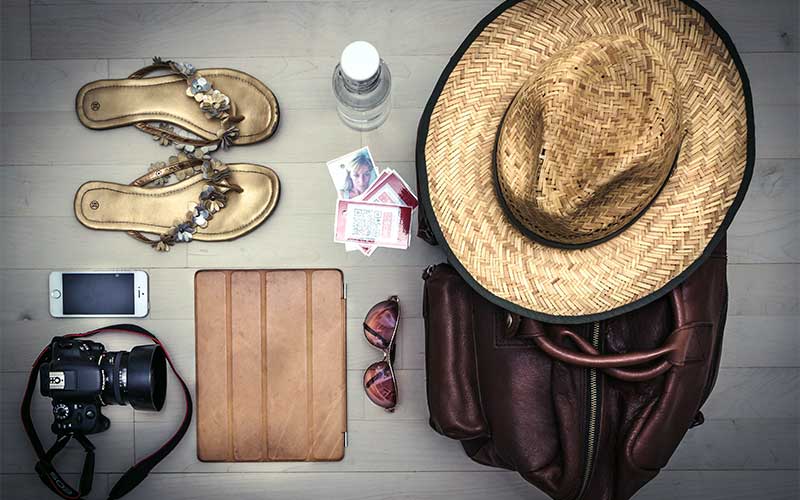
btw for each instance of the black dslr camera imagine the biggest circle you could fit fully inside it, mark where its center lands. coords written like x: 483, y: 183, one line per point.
x: 82, y: 376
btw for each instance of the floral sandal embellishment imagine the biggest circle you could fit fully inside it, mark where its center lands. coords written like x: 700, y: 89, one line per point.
x: 213, y: 102
x: 164, y: 134
x: 212, y: 199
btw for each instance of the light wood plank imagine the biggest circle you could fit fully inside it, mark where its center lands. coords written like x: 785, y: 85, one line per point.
x: 774, y: 77
x: 305, y: 82
x: 353, y: 486
x: 43, y: 241
x: 718, y: 445
x: 759, y: 341
x: 25, y: 297
x: 775, y: 186
x: 777, y: 131
x: 273, y: 29
x: 45, y: 190
x: 755, y: 290
x: 30, y: 86
x: 747, y: 448
x: 466, y: 486
x: 15, y: 33
x: 744, y: 444
x: 776, y: 485
x: 288, y: 240
x: 759, y: 289
x: 722, y: 486
x: 750, y: 341
x: 58, y: 138
x: 769, y: 236
x: 772, y: 27
x: 755, y: 393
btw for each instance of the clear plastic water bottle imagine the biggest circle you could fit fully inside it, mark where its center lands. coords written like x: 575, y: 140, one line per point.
x: 362, y: 85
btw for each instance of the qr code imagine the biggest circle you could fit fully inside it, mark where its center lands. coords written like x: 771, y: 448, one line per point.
x: 365, y: 223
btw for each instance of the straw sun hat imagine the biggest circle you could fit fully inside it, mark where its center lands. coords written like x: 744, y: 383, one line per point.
x: 579, y: 158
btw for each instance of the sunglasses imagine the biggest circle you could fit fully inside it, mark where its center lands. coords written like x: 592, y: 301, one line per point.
x: 380, y: 328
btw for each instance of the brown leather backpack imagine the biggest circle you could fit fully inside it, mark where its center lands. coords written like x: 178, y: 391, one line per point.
x: 590, y: 411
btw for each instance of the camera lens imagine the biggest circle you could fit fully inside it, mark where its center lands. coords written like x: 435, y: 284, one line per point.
x: 138, y: 377
x: 147, y: 377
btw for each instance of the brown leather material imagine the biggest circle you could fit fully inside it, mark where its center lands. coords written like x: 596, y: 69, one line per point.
x: 679, y: 349
x: 104, y: 104
x: 120, y: 207
x: 271, y: 370
x: 515, y: 391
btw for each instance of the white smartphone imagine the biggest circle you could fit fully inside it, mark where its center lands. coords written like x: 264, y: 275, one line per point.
x: 88, y: 294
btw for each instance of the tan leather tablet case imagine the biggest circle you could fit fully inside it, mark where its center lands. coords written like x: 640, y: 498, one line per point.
x: 271, y: 370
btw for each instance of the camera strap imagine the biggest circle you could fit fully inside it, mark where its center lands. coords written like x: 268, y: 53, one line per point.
x: 137, y: 473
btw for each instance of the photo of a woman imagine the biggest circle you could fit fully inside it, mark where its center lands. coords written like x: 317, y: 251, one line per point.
x: 353, y: 173
x: 361, y: 175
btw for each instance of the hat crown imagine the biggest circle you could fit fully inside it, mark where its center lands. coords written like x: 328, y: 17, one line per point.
x: 588, y: 141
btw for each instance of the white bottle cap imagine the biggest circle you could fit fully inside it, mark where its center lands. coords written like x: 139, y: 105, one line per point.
x: 360, y: 61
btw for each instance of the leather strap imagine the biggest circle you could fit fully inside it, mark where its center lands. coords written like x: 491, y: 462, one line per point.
x: 166, y: 171
x: 158, y: 174
x: 157, y: 65
x: 676, y: 351
x: 133, y: 476
x: 155, y: 131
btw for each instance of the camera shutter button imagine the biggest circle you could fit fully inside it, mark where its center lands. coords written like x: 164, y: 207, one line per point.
x: 89, y: 413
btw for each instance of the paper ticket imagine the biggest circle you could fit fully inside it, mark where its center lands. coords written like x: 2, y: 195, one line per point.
x: 368, y: 223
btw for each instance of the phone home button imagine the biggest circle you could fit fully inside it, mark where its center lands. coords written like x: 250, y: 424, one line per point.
x: 56, y: 294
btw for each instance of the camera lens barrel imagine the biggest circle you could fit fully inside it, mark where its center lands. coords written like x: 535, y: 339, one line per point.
x: 147, y: 377
x: 138, y: 377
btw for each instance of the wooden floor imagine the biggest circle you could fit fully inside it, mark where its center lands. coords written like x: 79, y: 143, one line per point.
x: 748, y: 447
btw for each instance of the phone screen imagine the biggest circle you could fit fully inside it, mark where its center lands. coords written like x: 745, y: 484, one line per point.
x: 110, y: 293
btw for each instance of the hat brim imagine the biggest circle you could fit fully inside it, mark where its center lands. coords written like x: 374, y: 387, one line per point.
x: 679, y: 230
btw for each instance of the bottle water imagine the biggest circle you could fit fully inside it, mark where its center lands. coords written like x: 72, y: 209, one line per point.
x: 362, y: 84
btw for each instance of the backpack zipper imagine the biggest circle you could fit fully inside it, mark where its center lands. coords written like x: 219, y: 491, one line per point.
x: 593, y: 417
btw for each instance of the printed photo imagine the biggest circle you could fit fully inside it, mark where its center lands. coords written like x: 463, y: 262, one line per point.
x: 353, y: 173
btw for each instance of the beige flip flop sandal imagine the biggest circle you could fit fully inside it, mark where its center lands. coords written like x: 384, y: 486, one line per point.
x: 220, y: 107
x: 210, y: 202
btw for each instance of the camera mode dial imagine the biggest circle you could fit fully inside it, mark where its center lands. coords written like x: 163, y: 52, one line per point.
x: 61, y: 411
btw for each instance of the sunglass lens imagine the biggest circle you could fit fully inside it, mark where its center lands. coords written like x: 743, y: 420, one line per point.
x: 380, y: 386
x: 380, y: 323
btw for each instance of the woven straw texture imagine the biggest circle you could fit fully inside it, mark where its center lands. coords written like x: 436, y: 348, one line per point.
x: 589, y: 140
x: 701, y: 110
